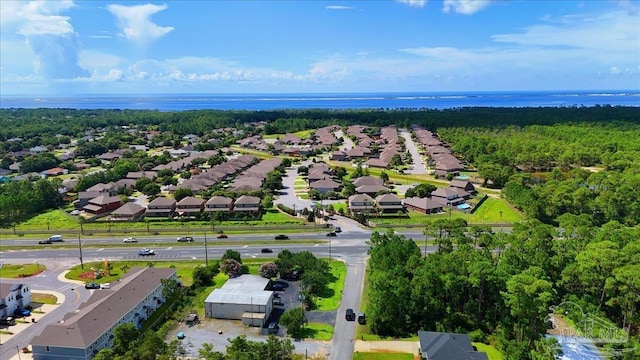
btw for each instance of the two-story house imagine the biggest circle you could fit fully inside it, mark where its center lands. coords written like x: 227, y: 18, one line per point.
x: 190, y: 206
x: 102, y: 204
x: 12, y: 297
x: 247, y: 204
x: 218, y: 203
x: 389, y: 203
x: 161, y: 207
x: 361, y: 203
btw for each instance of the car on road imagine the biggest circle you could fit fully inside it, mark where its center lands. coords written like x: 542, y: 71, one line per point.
x: 91, y: 285
x: 146, y: 252
x: 222, y: 236
x: 180, y: 335
x: 337, y: 229
x: 282, y: 237
x: 362, y: 319
x: 21, y: 312
x: 332, y: 234
x: 130, y: 240
x: 266, y: 251
x: 278, y: 286
x: 45, y: 241
x: 185, y: 239
x: 273, y: 327
x: 350, y: 315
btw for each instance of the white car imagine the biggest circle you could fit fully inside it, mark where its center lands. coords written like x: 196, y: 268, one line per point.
x: 130, y: 240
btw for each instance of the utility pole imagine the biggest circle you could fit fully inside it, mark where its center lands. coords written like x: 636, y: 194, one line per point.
x: 80, y: 248
x: 206, y: 252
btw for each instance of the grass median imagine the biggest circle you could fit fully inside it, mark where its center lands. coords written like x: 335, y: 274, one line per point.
x: 16, y: 271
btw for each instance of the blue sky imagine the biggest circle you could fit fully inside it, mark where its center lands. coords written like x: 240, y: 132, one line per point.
x: 129, y: 47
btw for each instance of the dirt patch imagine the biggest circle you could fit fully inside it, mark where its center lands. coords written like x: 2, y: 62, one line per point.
x: 88, y: 275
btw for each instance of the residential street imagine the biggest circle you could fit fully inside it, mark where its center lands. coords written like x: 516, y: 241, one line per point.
x: 418, y: 165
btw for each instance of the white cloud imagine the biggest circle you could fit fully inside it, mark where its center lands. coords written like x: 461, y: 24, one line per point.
x: 413, y: 3
x: 136, y: 24
x: 338, y: 7
x: 466, y: 7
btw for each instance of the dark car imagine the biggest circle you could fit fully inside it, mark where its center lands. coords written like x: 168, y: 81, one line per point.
x: 266, y: 251
x: 333, y: 233
x: 46, y: 241
x: 91, y: 285
x: 278, y: 286
x: 222, y: 236
x: 362, y: 319
x: 282, y: 237
x: 337, y: 229
x: 185, y: 239
x: 350, y: 315
x: 273, y: 328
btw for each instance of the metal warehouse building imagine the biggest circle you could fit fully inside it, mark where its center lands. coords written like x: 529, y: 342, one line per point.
x: 242, y: 298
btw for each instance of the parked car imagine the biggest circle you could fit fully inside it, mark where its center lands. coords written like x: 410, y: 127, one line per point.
x: 8, y: 321
x: 332, y: 234
x: 222, y: 236
x: 362, y: 319
x: 45, y: 241
x: 21, y: 312
x: 130, y: 240
x: 266, y: 251
x: 91, y: 285
x: 185, y: 239
x: 180, y: 335
x: 273, y: 327
x: 278, y: 286
x: 350, y: 315
x: 105, y: 286
x: 278, y: 302
x: 282, y: 237
x: 146, y: 252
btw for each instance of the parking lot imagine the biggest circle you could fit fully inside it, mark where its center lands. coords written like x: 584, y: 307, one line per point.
x: 217, y: 331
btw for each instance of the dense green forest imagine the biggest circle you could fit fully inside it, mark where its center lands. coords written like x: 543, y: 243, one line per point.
x: 501, y: 294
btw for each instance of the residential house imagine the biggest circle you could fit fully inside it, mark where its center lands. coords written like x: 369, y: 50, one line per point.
x: 190, y: 206
x: 161, y: 207
x: 367, y: 180
x: 423, y: 205
x: 218, y: 203
x: 12, y: 297
x: 109, y: 156
x: 389, y: 203
x: 84, y: 197
x: 84, y: 332
x: 246, y: 204
x: 465, y: 185
x: 339, y: 155
x: 135, y: 175
x: 361, y: 203
x: 448, y: 346
x: 317, y: 175
x: 109, y: 188
x: 371, y: 190
x: 450, y: 196
x: 129, y: 211
x: 54, y: 172
x: 102, y: 204
x: 324, y: 186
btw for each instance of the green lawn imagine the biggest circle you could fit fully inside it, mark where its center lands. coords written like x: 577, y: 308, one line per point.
x: 52, y: 219
x: 318, y: 331
x: 183, y: 267
x: 304, y: 134
x: 14, y: 271
x: 382, y: 356
x: 492, y: 352
x: 275, y: 216
x: 330, y: 300
x: 43, y: 298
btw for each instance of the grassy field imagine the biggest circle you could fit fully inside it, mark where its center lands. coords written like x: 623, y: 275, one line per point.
x: 43, y: 298
x: 14, y: 271
x: 382, y: 356
x: 331, y: 299
x: 52, y: 219
x: 318, y: 331
x: 492, y: 352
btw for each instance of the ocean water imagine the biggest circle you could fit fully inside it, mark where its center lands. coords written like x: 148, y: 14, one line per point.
x: 180, y: 102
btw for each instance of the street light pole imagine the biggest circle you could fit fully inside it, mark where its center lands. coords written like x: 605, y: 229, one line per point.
x: 206, y: 252
x: 80, y: 248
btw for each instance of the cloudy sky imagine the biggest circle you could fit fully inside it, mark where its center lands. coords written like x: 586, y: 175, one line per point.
x: 129, y: 47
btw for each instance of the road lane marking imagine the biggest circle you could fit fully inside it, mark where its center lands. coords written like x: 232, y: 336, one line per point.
x: 100, y: 249
x: 170, y: 247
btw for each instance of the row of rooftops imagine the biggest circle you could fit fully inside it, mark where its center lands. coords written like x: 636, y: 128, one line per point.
x: 445, y: 161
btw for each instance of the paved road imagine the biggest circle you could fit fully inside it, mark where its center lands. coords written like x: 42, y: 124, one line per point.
x: 347, y: 144
x: 418, y: 165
